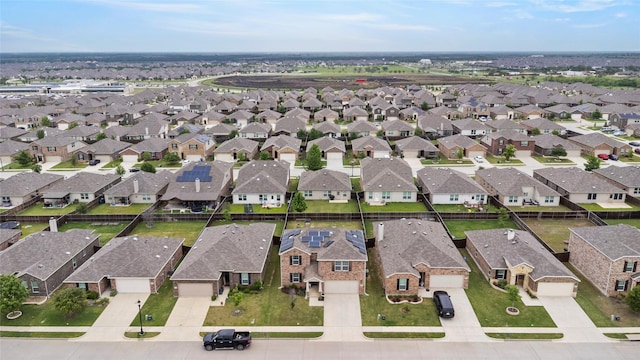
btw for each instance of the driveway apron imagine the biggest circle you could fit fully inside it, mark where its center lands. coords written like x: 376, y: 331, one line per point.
x: 571, y: 320
x: 464, y: 326
x: 115, y: 319
x: 342, y: 319
x: 186, y: 319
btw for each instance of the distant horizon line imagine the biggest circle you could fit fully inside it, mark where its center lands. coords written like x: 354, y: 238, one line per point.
x: 542, y: 52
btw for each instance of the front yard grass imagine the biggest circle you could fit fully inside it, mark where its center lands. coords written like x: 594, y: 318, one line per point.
x: 394, y: 207
x: 285, y: 335
x: 42, y: 334
x: 324, y: 206
x: 160, y: 164
x: 107, y: 232
x: 271, y: 307
x: 257, y: 209
x: 490, y: 304
x: 113, y: 164
x: 159, y: 306
x: 526, y: 336
x: 599, y: 308
x: 69, y: 165
x: 404, y: 335
x: 132, y: 209
x: 555, y: 232
x: 38, y: 210
x: 136, y: 335
x: 550, y: 160
x: 423, y: 314
x: 500, y: 160
x: 458, y: 227
x: 189, y: 230
x: 47, y: 315
x: 596, y: 207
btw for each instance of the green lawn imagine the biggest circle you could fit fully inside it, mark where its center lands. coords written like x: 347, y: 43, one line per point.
x: 293, y: 184
x: 555, y: 232
x: 459, y: 208
x: 38, y: 210
x: 158, y: 164
x: 28, y: 229
x: 632, y: 222
x: 326, y: 224
x: 423, y: 314
x: 404, y: 335
x: 444, y: 161
x: 257, y: 209
x: 159, y: 306
x: 47, y: 315
x: 107, y: 232
x: 271, y: 307
x: 277, y: 231
x: 500, y: 160
x: 526, y: 336
x: 559, y: 208
x: 108, y: 209
x: 42, y: 334
x: 136, y: 334
x: 113, y: 164
x: 324, y: 206
x: 599, y: 307
x: 458, y: 227
x: 394, y: 207
x: 69, y: 165
x: 596, y: 207
x: 490, y: 304
x: 548, y: 160
x: 355, y: 184
x: 17, y: 166
x: 285, y: 335
x: 189, y: 230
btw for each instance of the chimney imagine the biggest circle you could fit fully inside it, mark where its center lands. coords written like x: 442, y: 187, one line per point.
x: 197, y: 184
x: 53, y: 224
x: 136, y: 187
x: 146, y: 131
x: 380, y: 234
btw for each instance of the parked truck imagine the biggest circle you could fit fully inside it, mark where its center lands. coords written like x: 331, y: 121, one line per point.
x: 227, y: 339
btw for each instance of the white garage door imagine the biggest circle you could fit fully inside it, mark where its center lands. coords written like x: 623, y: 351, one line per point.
x: 380, y: 154
x: 522, y: 153
x: 133, y: 286
x: 446, y: 281
x: 410, y: 154
x: 130, y: 158
x: 224, y: 157
x: 473, y: 154
x: 341, y: 287
x: 555, y: 289
x: 291, y: 158
x: 194, y: 157
x: 54, y: 159
x: 334, y: 160
x: 195, y: 290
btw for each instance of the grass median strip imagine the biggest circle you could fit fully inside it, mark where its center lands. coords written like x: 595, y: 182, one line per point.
x: 526, y: 336
x: 136, y: 335
x: 285, y: 335
x: 42, y: 334
x: 404, y: 335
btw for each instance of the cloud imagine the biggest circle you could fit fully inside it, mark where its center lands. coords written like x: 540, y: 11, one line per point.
x: 351, y: 18
x: 621, y: 15
x: 577, y: 6
x: 29, y: 40
x: 589, y: 26
x: 177, y: 7
x: 403, y: 27
x: 498, y: 4
x: 562, y: 19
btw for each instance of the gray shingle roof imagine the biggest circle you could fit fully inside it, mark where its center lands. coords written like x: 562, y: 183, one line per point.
x: 263, y: 177
x: 227, y: 248
x: 237, y: 144
x: 340, y: 249
x: 106, y: 146
x: 409, y: 242
x: 220, y: 173
x: 575, y: 180
x: 82, y: 182
x: 375, y: 143
x: 361, y: 125
x: 324, y: 180
x: 614, y: 241
x: 457, y: 141
x: 24, y: 183
x: 386, y: 175
x: 148, y: 183
x: 415, y: 143
x: 548, y: 141
x: 595, y: 139
x: 497, y: 250
x: 326, y: 143
x: 448, y: 181
x: 510, y: 182
x: 281, y: 142
x: 628, y: 176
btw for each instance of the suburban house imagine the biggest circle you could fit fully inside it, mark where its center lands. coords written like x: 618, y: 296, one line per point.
x: 82, y: 187
x: 224, y: 256
x: 199, y: 186
x: 416, y: 256
x: 332, y: 150
x: 362, y: 128
x: 156, y: 147
x: 140, y: 188
x: 607, y: 256
x: 371, y: 146
x: 531, y: 112
x: 255, y: 131
x: 546, y: 143
x: 192, y: 146
x: 236, y: 149
x: 506, y: 124
x: 470, y: 127
x: 589, y: 189
x: 105, y: 150
x: 354, y: 114
x: 397, y: 128
x: 324, y: 261
x: 387, y: 180
x: 434, y: 126
x: 416, y: 147
x: 54, y: 148
x: 626, y: 178
x: 622, y: 120
x: 598, y: 143
x: 517, y: 257
x: 9, y: 237
x: 24, y: 186
x: 545, y: 126
x: 328, y: 129
x: 289, y: 125
x: 43, y: 260
x: 325, y: 184
x: 448, y: 186
x: 132, y: 264
x: 283, y: 147
x: 515, y: 188
x: 326, y: 114
x: 150, y: 126
x: 497, y: 142
x: 450, y: 146
x: 263, y: 182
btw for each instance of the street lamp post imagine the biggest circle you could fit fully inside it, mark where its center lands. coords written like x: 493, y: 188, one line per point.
x: 140, y: 316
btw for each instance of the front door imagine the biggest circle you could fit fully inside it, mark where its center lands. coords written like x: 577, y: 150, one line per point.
x: 225, y: 278
x: 520, y: 279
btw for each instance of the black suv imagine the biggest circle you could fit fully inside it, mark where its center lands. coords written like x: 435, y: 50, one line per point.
x: 443, y: 304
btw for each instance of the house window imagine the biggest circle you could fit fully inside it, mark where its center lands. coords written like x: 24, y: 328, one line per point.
x: 83, y: 286
x: 403, y: 284
x: 370, y: 195
x: 591, y: 196
x: 51, y: 148
x: 480, y: 198
x: 193, y: 146
x: 548, y: 199
x: 386, y: 195
x: 621, y: 285
x: 406, y: 195
x: 35, y: 148
x: 242, y: 197
x: 501, y: 274
x: 308, y: 193
x: 453, y: 197
x: 24, y: 283
x: 524, y: 143
x: 630, y: 266
x: 174, y: 146
x: 500, y: 142
x: 262, y: 197
x: 617, y: 196
x: 278, y: 197
x: 295, y: 277
x: 80, y: 156
x: 146, y: 197
x: 636, y: 190
x: 244, y: 279
x: 340, y: 266
x: 325, y: 193
x: 35, y: 287
x: 84, y: 196
x: 512, y: 199
x: 296, y: 260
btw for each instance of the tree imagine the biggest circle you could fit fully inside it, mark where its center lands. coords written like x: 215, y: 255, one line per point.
x: 558, y: 151
x: 596, y: 115
x: 633, y: 298
x: 264, y: 155
x: 299, y: 203
x: 315, y: 134
x: 101, y: 136
x: 40, y: 133
x: 301, y: 134
x: 460, y: 153
x: 424, y: 106
x: 593, y: 163
x: 13, y: 294
x: 314, y: 158
x: 503, y: 214
x: 37, y: 168
x: 509, y: 152
x: 233, y: 133
x: 44, y: 121
x: 418, y: 132
x: 512, y: 293
x: 171, y: 158
x: 148, y: 167
x: 146, y: 156
x: 535, y: 131
x: 120, y: 170
x: 70, y: 301
x: 73, y: 125
x: 184, y: 131
x: 23, y: 158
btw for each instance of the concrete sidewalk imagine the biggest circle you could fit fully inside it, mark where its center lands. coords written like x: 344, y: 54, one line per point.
x: 571, y: 320
x: 185, y: 321
x: 115, y: 319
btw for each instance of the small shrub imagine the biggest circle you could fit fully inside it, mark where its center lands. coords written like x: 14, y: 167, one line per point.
x: 257, y: 285
x: 502, y: 283
x: 214, y: 297
x: 113, y: 293
x: 103, y: 301
x: 92, y: 295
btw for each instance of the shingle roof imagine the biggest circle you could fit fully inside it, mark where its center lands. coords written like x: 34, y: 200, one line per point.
x: 458, y: 141
x: 282, y: 142
x: 595, y: 139
x: 628, y: 176
x: 148, y: 183
x: 375, y: 143
x: 340, y: 249
x: 361, y: 126
x: 24, y: 183
x: 510, y: 182
x: 415, y: 143
x: 576, y: 181
x: 237, y: 144
x: 386, y: 175
x: 614, y: 241
x: 219, y: 173
x: 409, y: 242
x: 82, y: 182
x: 326, y: 143
x: 448, y: 181
x: 263, y: 177
x: 548, y: 141
x: 324, y: 180
x: 227, y: 248
x: 106, y: 146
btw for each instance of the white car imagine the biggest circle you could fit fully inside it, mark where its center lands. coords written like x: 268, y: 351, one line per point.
x: 478, y: 158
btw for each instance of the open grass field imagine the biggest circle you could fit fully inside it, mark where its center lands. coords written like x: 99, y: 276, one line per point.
x: 30, y: 228
x: 189, y: 230
x: 632, y: 222
x: 324, y: 206
x: 393, y: 207
x: 555, y: 232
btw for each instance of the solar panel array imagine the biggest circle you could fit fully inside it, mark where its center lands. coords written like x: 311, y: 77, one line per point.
x: 286, y: 244
x: 201, y: 172
x: 356, y: 238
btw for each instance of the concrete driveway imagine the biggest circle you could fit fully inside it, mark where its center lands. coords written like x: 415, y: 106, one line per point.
x: 342, y: 319
x: 464, y: 326
x: 186, y: 319
x: 115, y: 319
x: 571, y: 320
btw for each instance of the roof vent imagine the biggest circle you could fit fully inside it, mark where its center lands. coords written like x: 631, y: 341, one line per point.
x: 135, y: 238
x: 158, y: 256
x: 67, y: 252
x: 165, y: 247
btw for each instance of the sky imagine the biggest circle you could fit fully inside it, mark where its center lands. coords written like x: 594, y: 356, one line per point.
x: 205, y: 26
